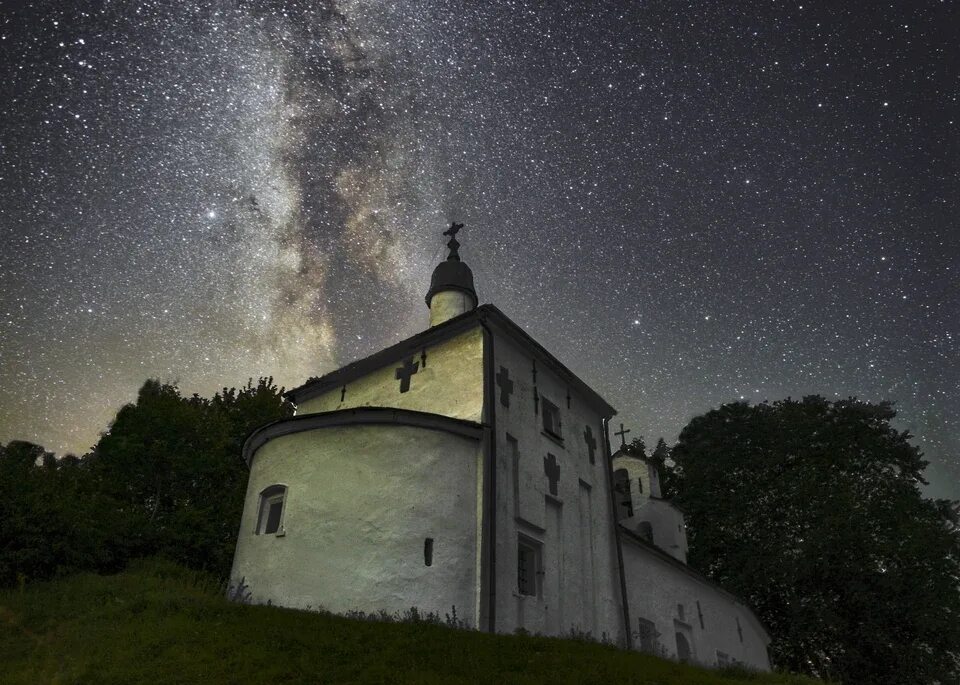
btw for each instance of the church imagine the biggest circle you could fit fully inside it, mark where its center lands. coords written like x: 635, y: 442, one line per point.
x: 467, y: 467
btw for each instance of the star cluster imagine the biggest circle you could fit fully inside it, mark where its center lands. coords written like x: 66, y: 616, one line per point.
x: 689, y: 203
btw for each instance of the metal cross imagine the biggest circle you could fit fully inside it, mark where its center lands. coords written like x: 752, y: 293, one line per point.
x: 623, y: 435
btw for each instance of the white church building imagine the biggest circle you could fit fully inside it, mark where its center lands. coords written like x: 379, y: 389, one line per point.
x: 467, y: 467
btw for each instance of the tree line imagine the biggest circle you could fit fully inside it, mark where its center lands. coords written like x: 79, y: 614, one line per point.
x: 166, y: 478
x: 809, y: 510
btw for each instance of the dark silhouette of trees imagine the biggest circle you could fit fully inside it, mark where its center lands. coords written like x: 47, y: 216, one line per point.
x: 166, y: 478
x: 811, y: 511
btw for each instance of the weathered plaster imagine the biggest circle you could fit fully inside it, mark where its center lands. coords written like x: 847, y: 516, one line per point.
x: 655, y: 588
x: 360, y: 502
x: 449, y: 384
x: 666, y: 521
x: 580, y: 585
x: 447, y: 304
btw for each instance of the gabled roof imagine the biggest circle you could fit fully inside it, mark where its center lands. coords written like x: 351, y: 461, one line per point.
x: 487, y: 315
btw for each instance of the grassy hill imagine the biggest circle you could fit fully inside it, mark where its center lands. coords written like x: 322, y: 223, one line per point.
x: 159, y: 623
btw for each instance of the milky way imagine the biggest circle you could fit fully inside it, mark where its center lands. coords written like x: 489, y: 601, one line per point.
x: 688, y: 203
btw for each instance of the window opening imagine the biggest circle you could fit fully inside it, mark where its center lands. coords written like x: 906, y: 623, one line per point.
x: 428, y: 552
x: 648, y: 636
x: 551, y: 419
x: 270, y: 516
x: 528, y: 566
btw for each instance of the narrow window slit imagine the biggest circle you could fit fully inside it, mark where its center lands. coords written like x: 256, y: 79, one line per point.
x: 428, y: 551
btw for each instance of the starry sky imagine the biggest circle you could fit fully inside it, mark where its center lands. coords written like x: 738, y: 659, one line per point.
x: 689, y: 203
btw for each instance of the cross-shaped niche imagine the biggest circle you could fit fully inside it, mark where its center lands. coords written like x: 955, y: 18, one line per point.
x: 591, y: 443
x: 552, y: 470
x: 404, y: 373
x: 506, y: 386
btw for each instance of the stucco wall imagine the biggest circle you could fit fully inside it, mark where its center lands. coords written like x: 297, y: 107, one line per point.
x: 654, y: 589
x: 450, y: 383
x: 580, y: 586
x: 667, y: 522
x: 447, y: 304
x: 361, y: 501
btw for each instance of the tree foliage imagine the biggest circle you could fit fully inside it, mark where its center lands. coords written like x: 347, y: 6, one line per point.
x: 811, y: 510
x: 166, y: 478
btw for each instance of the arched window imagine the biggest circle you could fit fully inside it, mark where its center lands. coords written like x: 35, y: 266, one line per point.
x: 621, y: 486
x: 270, y: 516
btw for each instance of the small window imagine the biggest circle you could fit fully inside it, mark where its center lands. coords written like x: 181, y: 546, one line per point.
x: 648, y: 636
x: 640, y: 485
x: 428, y: 551
x: 681, y: 612
x: 551, y: 419
x: 270, y: 517
x: 528, y: 567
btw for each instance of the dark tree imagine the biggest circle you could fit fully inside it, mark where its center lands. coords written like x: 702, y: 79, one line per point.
x: 48, y: 516
x: 173, y: 467
x: 811, y: 510
x: 166, y: 478
x: 636, y: 448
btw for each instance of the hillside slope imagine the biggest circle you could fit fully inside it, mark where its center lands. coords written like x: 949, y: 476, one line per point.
x: 159, y: 623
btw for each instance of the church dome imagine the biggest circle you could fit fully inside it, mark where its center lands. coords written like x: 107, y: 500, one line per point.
x: 452, y: 274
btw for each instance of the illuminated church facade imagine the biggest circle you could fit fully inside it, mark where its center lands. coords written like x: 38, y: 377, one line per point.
x: 467, y: 467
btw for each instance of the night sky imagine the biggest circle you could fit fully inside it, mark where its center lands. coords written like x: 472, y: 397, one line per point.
x: 688, y: 203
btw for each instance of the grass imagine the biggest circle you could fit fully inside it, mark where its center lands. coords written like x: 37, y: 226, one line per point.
x: 160, y: 623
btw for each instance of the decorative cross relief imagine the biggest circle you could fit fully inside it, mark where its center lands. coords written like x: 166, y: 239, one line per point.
x: 552, y: 470
x: 404, y: 373
x: 506, y: 386
x: 591, y: 443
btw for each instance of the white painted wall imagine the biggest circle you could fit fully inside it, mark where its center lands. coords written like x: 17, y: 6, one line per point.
x: 360, y: 502
x: 447, y: 304
x: 451, y: 383
x: 580, y: 586
x: 667, y: 522
x: 655, y: 587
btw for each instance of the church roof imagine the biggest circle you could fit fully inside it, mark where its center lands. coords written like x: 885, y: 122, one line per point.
x: 452, y: 275
x: 485, y: 314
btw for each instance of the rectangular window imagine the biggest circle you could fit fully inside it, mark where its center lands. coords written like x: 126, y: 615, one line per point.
x: 551, y: 419
x: 528, y: 567
x: 273, y: 515
x: 270, y: 515
x: 640, y: 485
x: 647, y: 636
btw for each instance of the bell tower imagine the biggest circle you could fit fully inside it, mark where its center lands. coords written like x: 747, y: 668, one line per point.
x: 451, y: 290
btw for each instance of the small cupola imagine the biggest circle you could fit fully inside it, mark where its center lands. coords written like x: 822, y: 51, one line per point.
x: 451, y: 286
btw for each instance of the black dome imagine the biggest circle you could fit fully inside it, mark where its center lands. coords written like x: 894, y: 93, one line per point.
x: 452, y: 275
